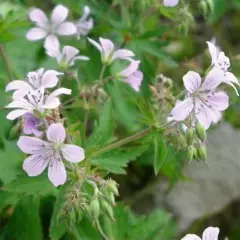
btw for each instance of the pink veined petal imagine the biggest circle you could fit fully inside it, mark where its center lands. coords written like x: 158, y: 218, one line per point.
x: 52, y: 103
x: 170, y: 3
x: 36, y: 34
x: 192, y: 81
x: 52, y: 46
x: 20, y: 103
x: 96, y: 44
x: 73, y: 153
x: 50, y: 79
x: 122, y: 54
x: 107, y: 47
x: 230, y: 79
x: 216, y: 116
x: 135, y: 80
x: 59, y: 14
x: 20, y: 93
x: 218, y: 101
x: 18, y: 84
x: 182, y: 109
x: 57, y: 173
x: 31, y: 145
x: 37, y: 16
x: 213, y: 52
x: 69, y: 53
x: 56, y: 133
x: 15, y: 114
x: 132, y: 67
x: 35, y: 165
x: 203, y: 114
x: 213, y: 79
x: 191, y: 237
x: 211, y: 233
x: 58, y: 92
x: 66, y: 29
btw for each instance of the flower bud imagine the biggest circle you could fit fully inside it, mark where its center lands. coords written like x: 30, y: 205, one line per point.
x: 190, y: 153
x: 107, y: 209
x: 79, y: 214
x: 112, y: 185
x: 71, y: 218
x: 94, y: 209
x: 202, y: 153
x: 190, y: 136
x: 201, y: 133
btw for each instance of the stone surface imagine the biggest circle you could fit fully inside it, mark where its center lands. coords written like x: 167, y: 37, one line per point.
x: 212, y: 186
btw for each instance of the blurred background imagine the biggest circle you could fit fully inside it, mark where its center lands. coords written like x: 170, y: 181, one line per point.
x: 170, y: 41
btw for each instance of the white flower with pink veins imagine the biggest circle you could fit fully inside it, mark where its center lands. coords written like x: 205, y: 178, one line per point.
x: 170, y: 3
x: 50, y: 28
x: 210, y: 233
x: 35, y: 102
x: 50, y: 154
x: 35, y: 80
x: 202, y: 101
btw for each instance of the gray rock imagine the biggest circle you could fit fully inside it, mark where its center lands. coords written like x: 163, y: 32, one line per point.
x: 212, y: 186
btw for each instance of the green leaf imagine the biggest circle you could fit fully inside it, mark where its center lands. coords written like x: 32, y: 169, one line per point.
x: 7, y: 198
x: 39, y: 185
x: 160, y: 152
x: 104, y: 130
x: 58, y: 227
x: 11, y: 160
x: 25, y: 224
x: 115, y: 160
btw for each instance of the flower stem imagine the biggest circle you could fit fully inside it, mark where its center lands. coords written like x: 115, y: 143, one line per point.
x: 102, y: 73
x: 4, y: 57
x: 100, y: 230
x: 124, y: 141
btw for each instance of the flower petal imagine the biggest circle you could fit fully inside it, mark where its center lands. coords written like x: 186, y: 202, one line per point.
x: 36, y: 34
x: 213, y: 79
x: 66, y: 29
x: 35, y: 165
x: 107, y: 46
x: 57, y: 173
x: 192, y: 81
x: 59, y: 14
x: 132, y: 67
x: 58, y: 92
x: 69, y: 53
x: 135, y: 80
x: 37, y: 16
x: 182, y: 109
x: 18, y: 84
x: 50, y: 79
x: 229, y: 79
x: 122, y: 54
x: 52, y: 103
x: 52, y: 46
x: 170, y: 3
x: 56, y: 133
x: 191, y: 237
x: 203, y: 114
x: 31, y: 145
x: 73, y: 153
x: 211, y: 233
x: 16, y: 113
x: 218, y: 101
x: 96, y: 44
x: 213, y: 52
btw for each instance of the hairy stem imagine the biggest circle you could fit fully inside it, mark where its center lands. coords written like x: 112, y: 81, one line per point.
x: 4, y: 57
x: 101, y: 231
x: 102, y: 73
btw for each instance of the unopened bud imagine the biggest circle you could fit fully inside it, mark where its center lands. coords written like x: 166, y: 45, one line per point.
x: 190, y: 136
x: 71, y: 218
x: 79, y: 214
x: 201, y: 133
x: 202, y: 153
x: 94, y: 209
x: 107, y: 209
x: 190, y: 154
x: 203, y: 7
x: 112, y: 185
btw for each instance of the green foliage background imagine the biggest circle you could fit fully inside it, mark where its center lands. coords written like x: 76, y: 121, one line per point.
x: 28, y: 207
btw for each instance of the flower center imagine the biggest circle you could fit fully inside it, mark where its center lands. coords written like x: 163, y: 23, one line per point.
x: 57, y: 146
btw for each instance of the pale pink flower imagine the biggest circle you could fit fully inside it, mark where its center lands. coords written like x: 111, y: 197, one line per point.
x: 34, y: 80
x: 132, y: 75
x: 221, y: 61
x: 30, y: 124
x: 202, y: 100
x: 35, y: 102
x: 50, y: 28
x: 170, y: 3
x: 50, y: 154
x: 85, y: 23
x: 108, y: 51
x: 210, y: 233
x: 65, y: 57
